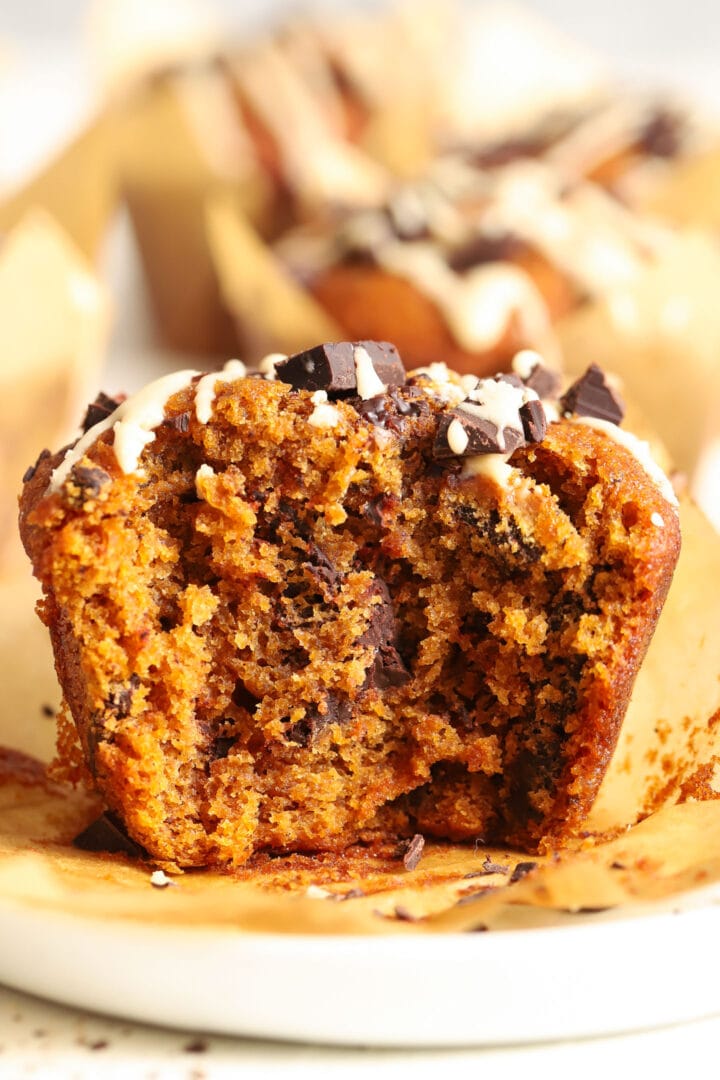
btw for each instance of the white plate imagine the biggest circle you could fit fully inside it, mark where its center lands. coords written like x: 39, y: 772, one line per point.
x: 599, y: 976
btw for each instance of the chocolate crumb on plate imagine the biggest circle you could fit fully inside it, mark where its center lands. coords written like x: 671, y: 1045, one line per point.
x: 414, y: 852
x: 592, y: 395
x: 522, y: 870
x: 196, y: 1046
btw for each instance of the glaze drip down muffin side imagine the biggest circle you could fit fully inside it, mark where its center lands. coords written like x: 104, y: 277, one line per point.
x: 345, y: 604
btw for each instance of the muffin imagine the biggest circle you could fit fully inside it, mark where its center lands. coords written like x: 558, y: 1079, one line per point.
x: 345, y: 604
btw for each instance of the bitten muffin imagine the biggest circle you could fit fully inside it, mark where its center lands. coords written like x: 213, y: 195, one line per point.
x: 341, y: 604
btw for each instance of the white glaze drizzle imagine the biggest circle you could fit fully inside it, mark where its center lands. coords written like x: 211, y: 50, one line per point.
x: 369, y: 383
x: 133, y: 424
x: 207, y: 388
x: 477, y: 306
x: 638, y: 448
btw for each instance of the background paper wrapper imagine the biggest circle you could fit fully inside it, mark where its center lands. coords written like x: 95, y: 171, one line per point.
x: 661, y: 335
x: 54, y: 323
x: 273, y: 312
x: 78, y: 187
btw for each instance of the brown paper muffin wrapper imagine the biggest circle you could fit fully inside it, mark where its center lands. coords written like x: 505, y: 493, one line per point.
x: 54, y: 324
x: 665, y: 767
x: 79, y: 187
x: 273, y: 312
x: 661, y: 335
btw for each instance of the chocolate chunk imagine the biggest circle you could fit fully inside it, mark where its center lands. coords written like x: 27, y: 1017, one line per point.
x: 544, y: 381
x: 322, y: 568
x: 413, y: 852
x: 221, y: 747
x: 511, y: 379
x: 120, y: 701
x: 485, y: 249
x: 592, y: 395
x: 32, y: 469
x: 522, y: 870
x: 483, y: 436
x: 181, y: 422
x: 534, y: 421
x: 331, y: 367
x: 100, y: 409
x: 305, y: 731
x: 387, y: 669
x: 90, y: 479
x: 662, y: 134
x: 108, y: 834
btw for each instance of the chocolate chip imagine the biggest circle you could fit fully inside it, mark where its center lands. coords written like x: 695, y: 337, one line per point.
x: 544, y: 381
x: 534, y: 421
x: 387, y: 669
x: 47, y: 710
x: 522, y: 870
x: 100, y: 409
x: 485, y: 249
x: 592, y: 395
x: 413, y: 852
x: 303, y: 732
x: 90, y: 479
x: 331, y: 367
x: 108, y: 834
x: 242, y: 697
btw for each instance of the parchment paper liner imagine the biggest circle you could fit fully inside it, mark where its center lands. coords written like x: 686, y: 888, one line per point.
x: 667, y: 854
x: 661, y: 335
x: 668, y: 752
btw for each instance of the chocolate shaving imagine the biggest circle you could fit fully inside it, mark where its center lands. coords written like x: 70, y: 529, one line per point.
x: 403, y: 915
x: 107, y: 834
x: 100, y: 409
x: 414, y: 851
x: 353, y: 894
x: 522, y: 870
x: 180, y: 423
x: 331, y: 367
x: 592, y: 395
